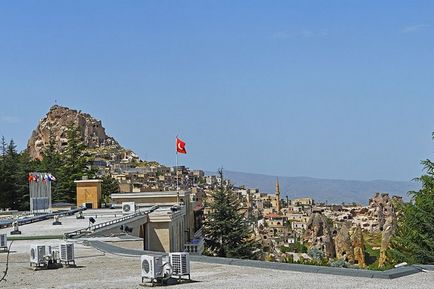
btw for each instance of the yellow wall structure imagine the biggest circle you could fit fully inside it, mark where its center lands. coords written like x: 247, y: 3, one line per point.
x: 89, y: 191
x: 165, y: 233
x: 159, y: 237
x: 161, y: 198
x: 149, y: 200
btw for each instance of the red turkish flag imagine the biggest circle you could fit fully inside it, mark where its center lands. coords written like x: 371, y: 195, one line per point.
x: 180, y: 146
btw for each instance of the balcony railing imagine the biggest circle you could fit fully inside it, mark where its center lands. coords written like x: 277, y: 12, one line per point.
x: 194, y: 248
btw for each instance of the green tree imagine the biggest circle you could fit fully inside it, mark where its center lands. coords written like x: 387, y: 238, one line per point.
x: 108, y: 186
x: 227, y: 232
x: 9, y: 177
x: 51, y: 158
x: 14, y: 169
x: 75, y: 164
x: 25, y: 166
x: 413, y: 241
x: 52, y: 163
x: 3, y: 179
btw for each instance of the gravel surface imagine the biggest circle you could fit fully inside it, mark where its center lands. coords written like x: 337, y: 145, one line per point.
x: 98, y: 270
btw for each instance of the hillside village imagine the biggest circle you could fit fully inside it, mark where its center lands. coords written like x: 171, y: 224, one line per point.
x: 164, y: 209
x: 116, y: 197
x: 285, y: 227
x: 216, y: 144
x: 288, y: 230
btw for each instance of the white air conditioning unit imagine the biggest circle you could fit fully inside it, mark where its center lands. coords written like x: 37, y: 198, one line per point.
x: 3, y: 241
x: 37, y: 253
x: 180, y: 262
x: 128, y: 208
x: 152, y: 266
x: 67, y: 252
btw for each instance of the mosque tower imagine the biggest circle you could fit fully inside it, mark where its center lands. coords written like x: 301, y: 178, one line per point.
x: 277, y: 195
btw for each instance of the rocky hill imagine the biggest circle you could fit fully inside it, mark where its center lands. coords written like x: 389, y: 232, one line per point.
x: 92, y: 132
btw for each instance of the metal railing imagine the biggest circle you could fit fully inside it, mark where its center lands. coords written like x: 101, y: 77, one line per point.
x: 95, y: 227
x: 29, y: 220
x: 195, y: 248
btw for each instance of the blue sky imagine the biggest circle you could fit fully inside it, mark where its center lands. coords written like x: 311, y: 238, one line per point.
x: 331, y: 89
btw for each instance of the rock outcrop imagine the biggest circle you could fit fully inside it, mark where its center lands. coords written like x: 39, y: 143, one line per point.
x: 56, y: 123
x: 386, y: 236
x: 343, y: 244
x: 318, y: 234
x: 358, y: 246
x: 380, y: 208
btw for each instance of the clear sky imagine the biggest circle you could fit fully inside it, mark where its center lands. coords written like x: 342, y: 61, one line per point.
x: 331, y: 89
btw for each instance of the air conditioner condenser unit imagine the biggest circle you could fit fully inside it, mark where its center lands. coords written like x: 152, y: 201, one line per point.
x: 67, y: 253
x: 180, y: 262
x: 128, y: 208
x: 37, y: 255
x: 152, y: 267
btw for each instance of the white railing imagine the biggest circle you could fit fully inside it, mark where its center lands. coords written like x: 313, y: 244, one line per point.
x: 95, y: 227
x: 195, y: 248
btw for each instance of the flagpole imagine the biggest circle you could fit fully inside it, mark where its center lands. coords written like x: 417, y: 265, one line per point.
x: 176, y: 168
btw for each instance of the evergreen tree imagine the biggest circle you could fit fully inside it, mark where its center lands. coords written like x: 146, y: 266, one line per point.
x: 52, y: 163
x: 9, y: 176
x: 108, y: 186
x: 51, y: 159
x: 25, y: 166
x: 414, y: 242
x: 227, y: 232
x: 3, y: 180
x: 75, y: 164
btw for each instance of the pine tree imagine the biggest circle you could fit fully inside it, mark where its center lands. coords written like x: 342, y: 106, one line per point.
x: 227, y: 232
x: 52, y: 163
x: 108, y: 186
x: 25, y: 166
x: 413, y: 241
x: 75, y: 164
x: 3, y: 180
x: 51, y: 159
x: 9, y: 177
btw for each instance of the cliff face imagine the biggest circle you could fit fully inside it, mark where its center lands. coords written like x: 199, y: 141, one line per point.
x: 56, y: 123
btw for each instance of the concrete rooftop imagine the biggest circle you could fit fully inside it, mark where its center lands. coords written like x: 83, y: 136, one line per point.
x: 102, y: 270
x: 69, y: 223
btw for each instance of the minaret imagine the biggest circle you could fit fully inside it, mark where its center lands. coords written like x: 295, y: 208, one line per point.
x: 277, y: 195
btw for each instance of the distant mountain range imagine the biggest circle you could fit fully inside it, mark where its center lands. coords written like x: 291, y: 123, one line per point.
x: 330, y: 190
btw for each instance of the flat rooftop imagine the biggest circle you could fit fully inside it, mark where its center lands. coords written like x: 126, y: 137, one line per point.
x: 96, y: 269
x: 69, y: 223
x: 148, y: 194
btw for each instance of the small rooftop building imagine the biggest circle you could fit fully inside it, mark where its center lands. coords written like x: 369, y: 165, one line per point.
x: 89, y: 193
x: 163, y: 199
